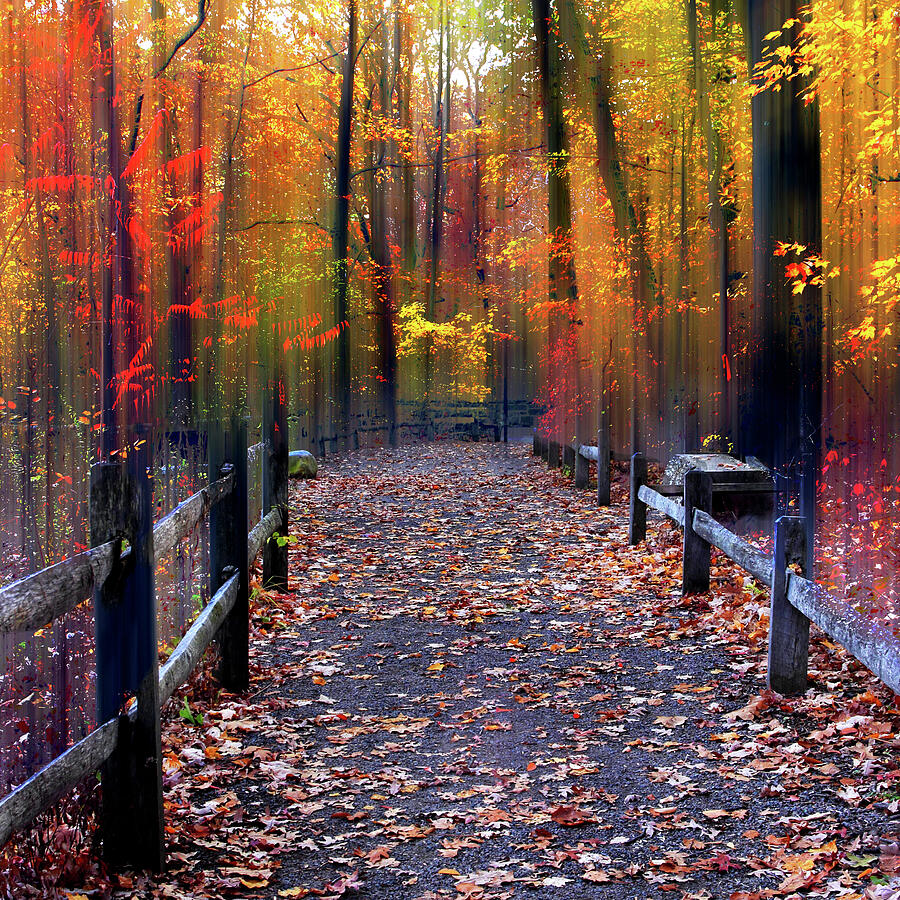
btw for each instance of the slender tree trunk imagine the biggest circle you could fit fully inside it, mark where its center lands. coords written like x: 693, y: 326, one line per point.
x: 107, y: 167
x: 341, y: 223
x: 382, y: 286
x: 437, y: 214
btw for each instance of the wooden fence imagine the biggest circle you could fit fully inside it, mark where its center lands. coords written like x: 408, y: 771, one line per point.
x: 795, y: 601
x: 118, y: 571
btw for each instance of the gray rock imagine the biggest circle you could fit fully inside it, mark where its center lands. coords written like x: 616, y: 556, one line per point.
x: 707, y: 462
x: 302, y: 464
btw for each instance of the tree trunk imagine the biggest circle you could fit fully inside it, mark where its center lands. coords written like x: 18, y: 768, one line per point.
x: 341, y: 223
x: 437, y: 211
x: 564, y: 369
x: 382, y: 284
x: 784, y: 400
x: 719, y: 217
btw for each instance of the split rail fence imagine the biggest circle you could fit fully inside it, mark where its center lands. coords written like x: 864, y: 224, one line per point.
x: 795, y: 601
x: 119, y: 572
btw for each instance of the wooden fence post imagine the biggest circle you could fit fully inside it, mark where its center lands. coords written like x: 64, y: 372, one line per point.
x: 275, y: 485
x: 554, y: 457
x: 228, y: 524
x: 582, y: 469
x: 535, y: 444
x: 637, y: 518
x: 121, y: 510
x: 697, y: 495
x: 568, y: 457
x: 545, y: 450
x: 788, y: 627
x: 603, y: 462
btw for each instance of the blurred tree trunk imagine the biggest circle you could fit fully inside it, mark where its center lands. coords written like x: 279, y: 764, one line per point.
x: 564, y: 368
x: 441, y: 120
x: 630, y: 234
x: 720, y: 213
x: 341, y: 223
x: 382, y: 282
x: 106, y: 173
x: 784, y: 413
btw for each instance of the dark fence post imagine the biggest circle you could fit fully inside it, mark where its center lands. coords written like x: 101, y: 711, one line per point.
x: 582, y: 468
x: 121, y: 510
x: 637, y: 518
x: 568, y: 458
x: 545, y: 450
x: 275, y: 486
x: 554, y: 457
x: 697, y: 495
x: 603, y: 455
x: 228, y: 524
x: 535, y: 444
x: 788, y: 627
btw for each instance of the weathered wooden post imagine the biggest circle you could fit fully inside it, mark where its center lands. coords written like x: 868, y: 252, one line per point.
x: 582, y: 469
x: 788, y: 627
x: 535, y: 444
x: 697, y: 495
x: 121, y: 510
x: 275, y: 484
x: 228, y: 524
x: 568, y: 458
x: 554, y: 456
x: 545, y: 450
x: 603, y: 455
x: 637, y: 518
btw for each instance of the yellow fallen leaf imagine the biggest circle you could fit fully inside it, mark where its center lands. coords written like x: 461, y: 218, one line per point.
x: 803, y: 862
x: 452, y: 872
x: 435, y: 667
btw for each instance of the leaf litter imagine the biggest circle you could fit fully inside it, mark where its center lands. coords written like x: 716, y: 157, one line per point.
x: 475, y: 689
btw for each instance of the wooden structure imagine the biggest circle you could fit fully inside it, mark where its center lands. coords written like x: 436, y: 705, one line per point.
x: 578, y: 458
x: 795, y: 601
x: 118, y: 571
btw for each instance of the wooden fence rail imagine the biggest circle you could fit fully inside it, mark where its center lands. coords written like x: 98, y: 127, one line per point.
x: 119, y: 572
x: 795, y: 601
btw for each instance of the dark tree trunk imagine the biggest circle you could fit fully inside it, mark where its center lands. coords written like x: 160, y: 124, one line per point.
x: 341, y: 223
x: 783, y: 402
x: 382, y: 283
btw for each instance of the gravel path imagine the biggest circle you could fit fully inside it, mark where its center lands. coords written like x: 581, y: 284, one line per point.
x: 476, y: 690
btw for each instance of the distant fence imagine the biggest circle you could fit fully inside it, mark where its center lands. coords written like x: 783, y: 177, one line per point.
x: 795, y: 601
x: 460, y: 419
x: 119, y: 572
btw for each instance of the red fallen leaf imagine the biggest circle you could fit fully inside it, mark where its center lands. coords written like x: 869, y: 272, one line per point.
x: 570, y: 816
x: 723, y: 862
x: 350, y: 816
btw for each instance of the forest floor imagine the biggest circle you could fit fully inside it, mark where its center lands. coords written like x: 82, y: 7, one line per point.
x: 475, y: 689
